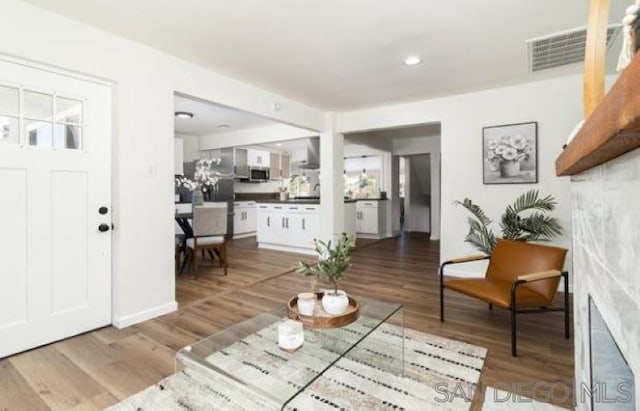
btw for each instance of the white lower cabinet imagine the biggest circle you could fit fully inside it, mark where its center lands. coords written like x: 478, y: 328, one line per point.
x: 370, y: 219
x: 288, y: 227
x: 244, y: 219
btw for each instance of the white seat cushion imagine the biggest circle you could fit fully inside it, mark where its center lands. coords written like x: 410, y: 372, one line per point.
x: 203, y: 241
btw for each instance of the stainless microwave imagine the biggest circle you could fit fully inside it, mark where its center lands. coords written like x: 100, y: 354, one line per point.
x: 253, y: 174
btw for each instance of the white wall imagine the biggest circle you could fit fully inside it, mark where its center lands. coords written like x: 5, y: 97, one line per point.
x: 555, y: 104
x: 256, y: 135
x: 190, y: 147
x: 144, y: 82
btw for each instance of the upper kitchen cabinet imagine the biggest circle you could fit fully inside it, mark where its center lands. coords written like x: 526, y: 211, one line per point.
x: 285, y: 165
x: 280, y: 165
x: 276, y: 171
x: 258, y: 158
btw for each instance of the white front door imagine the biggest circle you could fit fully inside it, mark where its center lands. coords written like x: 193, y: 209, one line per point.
x: 55, y: 198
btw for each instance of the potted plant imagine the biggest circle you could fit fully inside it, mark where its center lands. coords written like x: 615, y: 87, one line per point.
x: 204, y: 180
x: 527, y: 219
x: 332, y: 263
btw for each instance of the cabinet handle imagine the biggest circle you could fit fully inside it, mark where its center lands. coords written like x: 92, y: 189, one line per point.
x: 282, y: 222
x: 303, y: 225
x: 287, y: 222
x: 268, y: 221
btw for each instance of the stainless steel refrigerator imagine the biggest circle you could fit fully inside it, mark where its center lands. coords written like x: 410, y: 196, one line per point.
x: 224, y: 190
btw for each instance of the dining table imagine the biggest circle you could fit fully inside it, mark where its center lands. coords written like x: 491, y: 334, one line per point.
x: 184, y: 221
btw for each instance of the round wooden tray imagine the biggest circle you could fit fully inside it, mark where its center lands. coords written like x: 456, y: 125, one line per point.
x: 320, y: 319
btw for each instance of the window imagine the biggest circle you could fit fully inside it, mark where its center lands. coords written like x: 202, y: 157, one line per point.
x: 9, y: 115
x: 40, y: 119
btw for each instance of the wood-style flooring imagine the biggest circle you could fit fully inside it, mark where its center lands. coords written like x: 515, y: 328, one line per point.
x: 99, y: 368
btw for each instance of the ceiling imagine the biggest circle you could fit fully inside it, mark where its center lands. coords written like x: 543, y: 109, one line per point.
x: 346, y: 54
x: 208, y: 117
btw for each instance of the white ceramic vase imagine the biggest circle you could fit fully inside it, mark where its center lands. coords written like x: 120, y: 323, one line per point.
x: 306, y: 303
x: 335, y: 304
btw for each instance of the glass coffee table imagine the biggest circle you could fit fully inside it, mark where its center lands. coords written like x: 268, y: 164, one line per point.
x: 245, y: 363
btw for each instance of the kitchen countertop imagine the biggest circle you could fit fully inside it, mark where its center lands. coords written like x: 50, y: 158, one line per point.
x: 299, y: 201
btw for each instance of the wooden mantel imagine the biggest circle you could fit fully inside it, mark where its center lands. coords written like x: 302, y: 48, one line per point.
x: 612, y: 129
x: 612, y: 125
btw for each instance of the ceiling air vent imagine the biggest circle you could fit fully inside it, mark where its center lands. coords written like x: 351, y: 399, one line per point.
x: 559, y: 49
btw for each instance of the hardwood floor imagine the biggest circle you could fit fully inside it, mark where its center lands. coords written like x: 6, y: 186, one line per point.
x: 100, y: 368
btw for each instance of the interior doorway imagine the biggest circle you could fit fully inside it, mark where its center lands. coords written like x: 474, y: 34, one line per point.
x: 416, y: 198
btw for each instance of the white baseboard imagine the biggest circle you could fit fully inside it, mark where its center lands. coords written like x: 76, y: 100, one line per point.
x: 144, y: 315
x: 298, y: 250
x: 244, y: 235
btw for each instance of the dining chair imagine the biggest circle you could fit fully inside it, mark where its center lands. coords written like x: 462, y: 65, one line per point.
x: 209, y: 234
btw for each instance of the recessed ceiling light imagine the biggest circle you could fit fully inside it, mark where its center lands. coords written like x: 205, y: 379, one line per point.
x: 279, y: 144
x: 223, y: 125
x: 412, y: 60
x: 183, y: 114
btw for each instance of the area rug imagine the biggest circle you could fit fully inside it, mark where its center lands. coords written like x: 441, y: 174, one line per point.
x: 498, y: 400
x: 370, y: 377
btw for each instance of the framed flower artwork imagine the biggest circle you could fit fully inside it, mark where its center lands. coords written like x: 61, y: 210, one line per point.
x: 510, y: 154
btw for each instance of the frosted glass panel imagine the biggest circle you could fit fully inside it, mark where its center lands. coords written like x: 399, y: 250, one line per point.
x: 37, y: 106
x: 67, y: 136
x: 9, y: 130
x: 68, y: 110
x: 9, y: 100
x: 39, y: 133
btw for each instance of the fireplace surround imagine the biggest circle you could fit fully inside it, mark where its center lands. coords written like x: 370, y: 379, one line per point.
x: 612, y: 380
x: 606, y: 249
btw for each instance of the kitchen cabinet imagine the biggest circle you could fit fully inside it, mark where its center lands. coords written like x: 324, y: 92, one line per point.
x: 240, y: 162
x: 370, y: 219
x: 290, y: 227
x: 275, y: 170
x: 244, y: 219
x: 280, y: 165
x: 285, y: 165
x: 258, y: 158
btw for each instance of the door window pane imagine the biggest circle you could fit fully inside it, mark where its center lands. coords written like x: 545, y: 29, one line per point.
x: 9, y: 130
x: 68, y: 110
x: 67, y: 136
x: 39, y: 133
x: 38, y: 106
x: 9, y: 100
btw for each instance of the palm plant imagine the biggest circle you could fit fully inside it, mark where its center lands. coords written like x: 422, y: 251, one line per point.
x: 526, y: 219
x: 333, y: 261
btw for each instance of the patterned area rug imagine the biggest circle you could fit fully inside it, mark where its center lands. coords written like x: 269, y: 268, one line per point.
x: 370, y: 377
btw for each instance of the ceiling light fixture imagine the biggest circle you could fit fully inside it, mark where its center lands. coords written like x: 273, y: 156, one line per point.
x: 223, y: 125
x: 183, y: 114
x: 412, y: 60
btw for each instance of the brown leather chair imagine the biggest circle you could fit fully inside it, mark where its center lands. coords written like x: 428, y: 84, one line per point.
x: 521, y: 277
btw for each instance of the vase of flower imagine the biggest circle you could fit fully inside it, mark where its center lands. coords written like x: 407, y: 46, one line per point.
x: 509, y: 168
x: 197, y: 197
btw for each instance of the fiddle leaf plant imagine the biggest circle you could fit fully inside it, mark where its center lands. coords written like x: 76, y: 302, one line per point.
x: 527, y: 219
x: 332, y: 263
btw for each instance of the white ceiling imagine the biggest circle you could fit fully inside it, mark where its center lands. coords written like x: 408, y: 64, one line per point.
x: 348, y: 53
x: 207, y: 117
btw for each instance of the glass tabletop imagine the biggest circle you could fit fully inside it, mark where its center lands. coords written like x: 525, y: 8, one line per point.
x: 248, y: 357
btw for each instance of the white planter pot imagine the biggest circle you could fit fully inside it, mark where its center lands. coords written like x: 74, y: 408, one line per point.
x: 306, y: 303
x: 335, y: 304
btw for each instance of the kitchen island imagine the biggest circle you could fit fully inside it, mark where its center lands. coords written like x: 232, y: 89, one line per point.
x: 292, y: 225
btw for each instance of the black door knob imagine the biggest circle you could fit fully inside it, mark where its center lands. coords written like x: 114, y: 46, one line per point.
x: 103, y: 210
x: 103, y: 227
